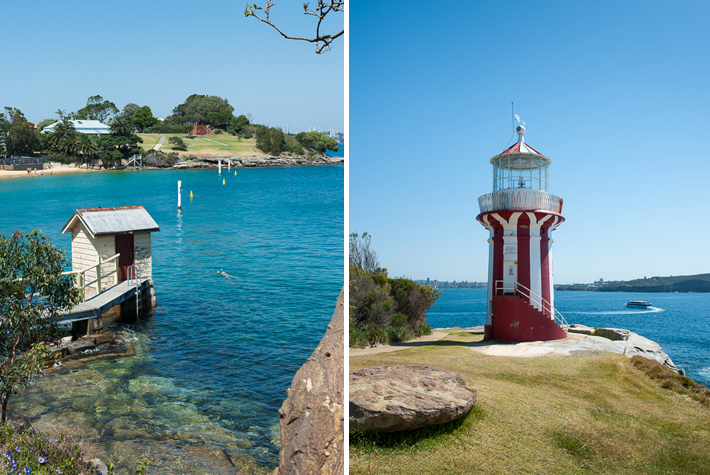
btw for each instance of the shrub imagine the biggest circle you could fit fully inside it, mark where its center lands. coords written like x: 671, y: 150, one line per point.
x: 395, y: 307
x: 178, y: 143
x: 26, y: 449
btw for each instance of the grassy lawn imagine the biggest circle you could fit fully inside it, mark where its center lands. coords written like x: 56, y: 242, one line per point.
x: 545, y: 415
x: 206, y: 147
x: 149, y: 140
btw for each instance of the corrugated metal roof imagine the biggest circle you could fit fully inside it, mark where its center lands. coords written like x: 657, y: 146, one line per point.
x: 118, y: 220
x: 83, y: 126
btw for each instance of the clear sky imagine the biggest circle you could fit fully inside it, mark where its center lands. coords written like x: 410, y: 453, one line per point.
x: 615, y: 93
x: 157, y: 53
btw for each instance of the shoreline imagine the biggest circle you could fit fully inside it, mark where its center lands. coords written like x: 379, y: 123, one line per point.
x: 252, y: 162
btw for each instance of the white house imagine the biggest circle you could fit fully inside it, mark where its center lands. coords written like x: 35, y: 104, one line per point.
x: 89, y: 127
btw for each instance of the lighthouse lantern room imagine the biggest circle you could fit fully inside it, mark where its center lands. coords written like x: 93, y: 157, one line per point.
x: 519, y: 215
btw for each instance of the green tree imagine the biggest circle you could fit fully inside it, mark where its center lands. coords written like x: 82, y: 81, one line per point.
x: 87, y: 146
x: 271, y: 140
x: 237, y: 125
x: 4, y: 128
x: 18, y: 135
x: 178, y: 143
x: 120, y: 127
x: 97, y: 109
x: 143, y: 118
x: 128, y: 112
x: 196, y: 108
x: 317, y: 141
x: 33, y: 294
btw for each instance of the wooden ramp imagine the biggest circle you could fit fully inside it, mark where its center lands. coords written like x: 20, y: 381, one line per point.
x: 105, y: 301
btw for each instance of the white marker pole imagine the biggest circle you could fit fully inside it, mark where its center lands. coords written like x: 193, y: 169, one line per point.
x: 229, y: 164
x: 179, y: 194
x: 220, y: 166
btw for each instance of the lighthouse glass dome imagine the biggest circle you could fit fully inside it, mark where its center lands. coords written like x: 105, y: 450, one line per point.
x: 520, y: 171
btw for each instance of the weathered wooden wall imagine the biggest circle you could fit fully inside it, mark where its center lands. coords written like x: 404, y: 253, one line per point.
x: 86, y: 251
x: 142, y: 255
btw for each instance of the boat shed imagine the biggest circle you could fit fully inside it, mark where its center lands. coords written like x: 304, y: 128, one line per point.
x: 98, y: 234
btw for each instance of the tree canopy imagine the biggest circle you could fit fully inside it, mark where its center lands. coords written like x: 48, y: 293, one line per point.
x: 143, y: 118
x: 273, y: 141
x: 18, y: 136
x: 97, y: 109
x: 196, y: 109
x: 129, y: 110
x: 317, y: 141
x: 32, y: 295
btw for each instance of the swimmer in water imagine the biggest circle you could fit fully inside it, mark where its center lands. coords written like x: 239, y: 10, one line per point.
x: 221, y: 271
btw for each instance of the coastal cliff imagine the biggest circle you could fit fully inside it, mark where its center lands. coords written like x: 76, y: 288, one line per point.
x: 680, y: 283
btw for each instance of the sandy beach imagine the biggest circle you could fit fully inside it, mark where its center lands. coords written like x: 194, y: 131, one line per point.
x: 41, y: 173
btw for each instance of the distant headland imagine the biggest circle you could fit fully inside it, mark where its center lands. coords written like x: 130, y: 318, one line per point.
x: 677, y: 283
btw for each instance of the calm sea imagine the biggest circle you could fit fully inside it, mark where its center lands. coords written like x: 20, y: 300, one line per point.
x: 679, y: 322
x: 214, y: 359
x: 339, y: 153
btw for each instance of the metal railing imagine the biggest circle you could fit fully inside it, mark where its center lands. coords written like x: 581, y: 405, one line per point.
x: 131, y: 274
x: 520, y: 199
x: 133, y: 280
x: 515, y: 288
x: 81, y: 275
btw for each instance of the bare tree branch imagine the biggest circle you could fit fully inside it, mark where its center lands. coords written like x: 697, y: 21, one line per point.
x: 323, y: 41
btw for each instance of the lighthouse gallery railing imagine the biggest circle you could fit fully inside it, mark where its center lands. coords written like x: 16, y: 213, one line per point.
x: 520, y: 198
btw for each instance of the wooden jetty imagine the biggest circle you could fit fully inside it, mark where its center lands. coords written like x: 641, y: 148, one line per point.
x: 107, y: 299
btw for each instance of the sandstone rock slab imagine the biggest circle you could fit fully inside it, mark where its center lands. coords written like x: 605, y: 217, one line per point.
x: 395, y: 398
x: 312, y: 417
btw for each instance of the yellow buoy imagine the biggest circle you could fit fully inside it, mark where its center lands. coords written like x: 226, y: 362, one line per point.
x: 190, y: 194
x: 223, y: 181
x: 235, y: 173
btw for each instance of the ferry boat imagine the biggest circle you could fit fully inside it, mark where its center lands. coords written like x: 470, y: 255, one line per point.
x: 639, y: 304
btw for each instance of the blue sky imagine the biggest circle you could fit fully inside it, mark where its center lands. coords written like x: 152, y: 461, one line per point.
x: 615, y: 93
x: 157, y: 53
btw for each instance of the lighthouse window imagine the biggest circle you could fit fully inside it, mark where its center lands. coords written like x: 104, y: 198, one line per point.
x: 520, y: 171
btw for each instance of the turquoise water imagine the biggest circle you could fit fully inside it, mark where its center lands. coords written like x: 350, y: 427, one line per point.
x: 214, y: 359
x: 339, y: 153
x: 678, y: 321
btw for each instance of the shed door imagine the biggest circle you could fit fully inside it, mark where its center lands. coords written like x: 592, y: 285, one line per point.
x: 124, y: 246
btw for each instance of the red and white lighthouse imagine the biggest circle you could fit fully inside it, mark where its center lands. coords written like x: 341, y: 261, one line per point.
x: 520, y: 215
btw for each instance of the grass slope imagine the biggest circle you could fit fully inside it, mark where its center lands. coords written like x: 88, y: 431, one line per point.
x: 205, y: 147
x: 546, y: 415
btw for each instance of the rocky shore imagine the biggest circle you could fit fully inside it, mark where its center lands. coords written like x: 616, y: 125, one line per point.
x: 156, y: 162
x: 251, y: 162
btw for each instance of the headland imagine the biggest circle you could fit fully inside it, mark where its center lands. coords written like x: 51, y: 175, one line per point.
x: 566, y: 412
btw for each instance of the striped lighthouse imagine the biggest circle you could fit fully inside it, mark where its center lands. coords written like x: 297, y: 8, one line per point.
x: 520, y: 215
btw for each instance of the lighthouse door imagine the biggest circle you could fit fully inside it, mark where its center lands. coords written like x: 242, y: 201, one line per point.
x: 510, y: 277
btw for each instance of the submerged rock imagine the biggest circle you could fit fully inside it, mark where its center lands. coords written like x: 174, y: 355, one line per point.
x: 395, y: 398
x: 311, y: 417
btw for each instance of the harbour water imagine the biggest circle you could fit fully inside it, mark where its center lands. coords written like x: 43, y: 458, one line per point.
x: 679, y: 322
x: 212, y: 362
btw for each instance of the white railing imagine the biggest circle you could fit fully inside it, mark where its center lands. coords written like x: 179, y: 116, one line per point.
x: 515, y: 287
x: 520, y: 199
x: 81, y: 275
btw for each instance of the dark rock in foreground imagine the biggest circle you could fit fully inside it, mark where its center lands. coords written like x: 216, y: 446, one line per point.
x: 395, y: 398
x: 311, y: 417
